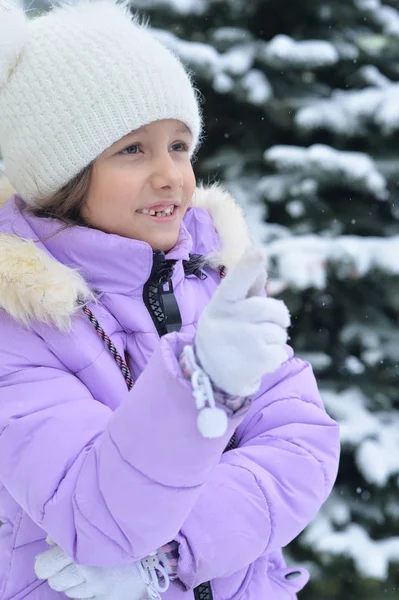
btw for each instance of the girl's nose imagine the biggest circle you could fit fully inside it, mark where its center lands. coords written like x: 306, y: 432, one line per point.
x: 166, y: 173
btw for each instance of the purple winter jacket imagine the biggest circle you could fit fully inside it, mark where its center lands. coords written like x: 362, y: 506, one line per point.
x: 112, y: 475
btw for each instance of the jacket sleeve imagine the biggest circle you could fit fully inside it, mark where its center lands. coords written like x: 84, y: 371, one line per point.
x: 264, y: 493
x: 108, y: 487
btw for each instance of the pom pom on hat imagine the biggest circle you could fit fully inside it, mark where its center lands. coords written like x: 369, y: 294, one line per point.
x: 13, y: 30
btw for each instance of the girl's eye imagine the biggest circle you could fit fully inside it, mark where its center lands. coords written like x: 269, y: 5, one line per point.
x: 180, y: 147
x: 134, y: 149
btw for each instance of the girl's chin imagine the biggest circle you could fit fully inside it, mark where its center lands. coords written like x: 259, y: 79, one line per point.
x: 164, y: 243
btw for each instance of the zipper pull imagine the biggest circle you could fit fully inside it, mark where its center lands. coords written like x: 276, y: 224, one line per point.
x: 170, y: 307
x: 159, y: 297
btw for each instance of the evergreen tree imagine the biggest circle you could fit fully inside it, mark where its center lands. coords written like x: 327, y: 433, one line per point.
x: 301, y: 104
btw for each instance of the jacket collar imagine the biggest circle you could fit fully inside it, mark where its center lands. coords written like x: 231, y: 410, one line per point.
x: 108, y: 263
x: 45, y: 280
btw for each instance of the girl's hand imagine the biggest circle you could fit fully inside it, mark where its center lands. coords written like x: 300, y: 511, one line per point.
x: 241, y: 334
x: 135, y: 581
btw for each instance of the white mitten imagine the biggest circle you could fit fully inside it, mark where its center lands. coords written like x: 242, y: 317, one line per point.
x: 241, y: 334
x: 136, y: 581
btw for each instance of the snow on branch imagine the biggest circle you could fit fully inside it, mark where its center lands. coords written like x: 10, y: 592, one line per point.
x: 387, y: 17
x: 368, y: 5
x: 326, y: 165
x: 257, y: 87
x: 373, y: 76
x: 374, y: 436
x: 182, y: 7
x: 351, y: 113
x: 283, y: 52
x: 301, y: 262
x: 230, y: 71
x: 371, y: 557
x: 203, y: 57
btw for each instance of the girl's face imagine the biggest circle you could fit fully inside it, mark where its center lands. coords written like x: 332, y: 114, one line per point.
x: 142, y: 185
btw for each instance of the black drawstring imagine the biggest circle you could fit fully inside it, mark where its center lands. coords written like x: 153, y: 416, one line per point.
x: 111, y: 347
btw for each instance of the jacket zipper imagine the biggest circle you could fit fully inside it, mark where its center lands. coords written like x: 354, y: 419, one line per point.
x: 159, y: 297
x: 161, y: 303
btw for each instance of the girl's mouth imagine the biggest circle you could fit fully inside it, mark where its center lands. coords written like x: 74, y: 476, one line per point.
x: 164, y: 213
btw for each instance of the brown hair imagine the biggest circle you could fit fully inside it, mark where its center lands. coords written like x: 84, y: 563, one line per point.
x: 66, y: 204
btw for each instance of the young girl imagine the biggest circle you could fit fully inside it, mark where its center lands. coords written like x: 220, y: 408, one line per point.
x: 153, y: 422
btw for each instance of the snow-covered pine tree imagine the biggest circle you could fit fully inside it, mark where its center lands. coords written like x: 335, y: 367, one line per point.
x: 301, y: 104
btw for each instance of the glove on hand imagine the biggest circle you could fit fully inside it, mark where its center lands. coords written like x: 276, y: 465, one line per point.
x: 135, y: 581
x: 241, y: 334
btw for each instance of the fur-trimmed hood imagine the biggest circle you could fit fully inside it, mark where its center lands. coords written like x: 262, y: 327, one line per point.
x: 34, y: 286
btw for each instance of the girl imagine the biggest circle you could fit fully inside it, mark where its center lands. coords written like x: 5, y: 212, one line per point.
x: 144, y: 397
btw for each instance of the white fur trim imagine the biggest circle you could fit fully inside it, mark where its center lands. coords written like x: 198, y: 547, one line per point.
x: 229, y: 221
x: 35, y: 287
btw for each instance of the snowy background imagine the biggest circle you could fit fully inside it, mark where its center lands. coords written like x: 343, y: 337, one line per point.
x: 301, y: 103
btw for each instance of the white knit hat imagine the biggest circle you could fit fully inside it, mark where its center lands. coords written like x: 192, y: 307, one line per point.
x: 73, y: 82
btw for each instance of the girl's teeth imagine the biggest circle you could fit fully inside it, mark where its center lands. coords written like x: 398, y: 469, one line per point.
x: 164, y: 213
